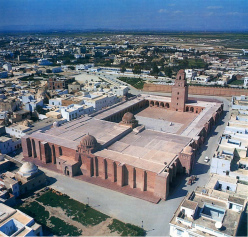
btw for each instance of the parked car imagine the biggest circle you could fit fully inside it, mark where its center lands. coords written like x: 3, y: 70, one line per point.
x: 206, y: 159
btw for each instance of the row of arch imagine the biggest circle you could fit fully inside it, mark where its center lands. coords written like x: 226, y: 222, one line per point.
x: 159, y: 104
x: 193, y: 109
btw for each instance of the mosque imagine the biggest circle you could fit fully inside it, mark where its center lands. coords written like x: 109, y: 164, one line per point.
x: 137, y: 147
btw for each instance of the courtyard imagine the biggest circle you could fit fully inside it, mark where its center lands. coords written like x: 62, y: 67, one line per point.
x: 164, y: 120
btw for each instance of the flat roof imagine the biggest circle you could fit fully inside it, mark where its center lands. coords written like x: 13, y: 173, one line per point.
x: 190, y: 204
x: 20, y: 127
x: 204, y: 116
x: 229, y: 221
x: 148, y: 149
x: 70, y: 134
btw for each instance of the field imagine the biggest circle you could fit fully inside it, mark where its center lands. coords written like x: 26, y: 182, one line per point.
x: 138, y: 83
x: 237, y: 82
x: 60, y: 215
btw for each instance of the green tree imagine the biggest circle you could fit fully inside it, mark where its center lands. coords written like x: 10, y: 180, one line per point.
x: 123, y: 68
x: 155, y: 70
x: 136, y: 69
x: 168, y: 71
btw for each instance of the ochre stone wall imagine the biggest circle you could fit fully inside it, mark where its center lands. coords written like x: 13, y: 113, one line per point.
x: 199, y: 90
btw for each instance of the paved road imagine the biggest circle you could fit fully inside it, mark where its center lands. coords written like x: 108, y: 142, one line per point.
x: 155, y: 217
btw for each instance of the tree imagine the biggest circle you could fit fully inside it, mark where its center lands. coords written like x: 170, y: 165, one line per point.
x: 168, y: 71
x: 155, y: 70
x: 123, y: 68
x: 136, y: 69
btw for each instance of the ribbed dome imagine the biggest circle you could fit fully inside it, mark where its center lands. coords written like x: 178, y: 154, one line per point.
x: 28, y: 168
x: 89, y: 141
x: 128, y: 117
x: 188, y: 150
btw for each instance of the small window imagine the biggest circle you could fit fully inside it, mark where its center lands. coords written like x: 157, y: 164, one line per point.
x: 178, y: 93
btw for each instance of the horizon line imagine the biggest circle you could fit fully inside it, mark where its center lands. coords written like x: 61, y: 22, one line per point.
x: 119, y: 30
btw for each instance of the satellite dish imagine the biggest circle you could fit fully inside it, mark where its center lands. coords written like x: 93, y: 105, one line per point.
x: 218, y: 225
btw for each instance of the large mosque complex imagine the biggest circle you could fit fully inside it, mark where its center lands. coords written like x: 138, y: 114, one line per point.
x: 137, y: 147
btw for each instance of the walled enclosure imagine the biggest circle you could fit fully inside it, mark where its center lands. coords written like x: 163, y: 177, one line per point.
x: 125, y: 156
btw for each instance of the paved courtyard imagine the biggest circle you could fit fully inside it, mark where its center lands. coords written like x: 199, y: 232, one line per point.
x: 160, y: 119
x: 159, y: 124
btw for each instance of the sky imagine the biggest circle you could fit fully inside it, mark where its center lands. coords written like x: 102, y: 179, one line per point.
x: 164, y: 15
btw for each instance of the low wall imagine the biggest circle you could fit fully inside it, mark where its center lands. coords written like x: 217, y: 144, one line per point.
x: 198, y: 90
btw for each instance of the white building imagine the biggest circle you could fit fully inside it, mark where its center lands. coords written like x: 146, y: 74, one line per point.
x: 8, y: 144
x: 240, y: 102
x: 94, y: 69
x: 201, y: 78
x: 190, y: 74
x: 74, y: 111
x: 55, y: 102
x: 16, y: 223
x: 30, y: 103
x: 7, y: 67
x: 84, y: 66
x: 101, y: 101
x: 17, y: 130
x: 208, y: 212
x: 120, y: 91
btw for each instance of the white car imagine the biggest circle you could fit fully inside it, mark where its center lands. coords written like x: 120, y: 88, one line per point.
x: 206, y: 159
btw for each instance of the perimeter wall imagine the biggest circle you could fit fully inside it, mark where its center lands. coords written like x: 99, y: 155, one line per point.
x: 198, y: 90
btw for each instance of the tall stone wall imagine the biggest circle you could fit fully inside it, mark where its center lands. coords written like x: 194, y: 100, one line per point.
x: 198, y: 90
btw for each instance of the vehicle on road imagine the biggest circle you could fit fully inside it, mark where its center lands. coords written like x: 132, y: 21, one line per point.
x: 206, y: 159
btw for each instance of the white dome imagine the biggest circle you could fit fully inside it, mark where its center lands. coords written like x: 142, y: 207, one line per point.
x: 28, y: 168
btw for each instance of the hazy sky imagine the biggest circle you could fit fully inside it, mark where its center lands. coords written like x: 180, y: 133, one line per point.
x: 177, y: 15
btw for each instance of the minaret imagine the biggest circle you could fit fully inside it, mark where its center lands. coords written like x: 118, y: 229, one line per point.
x: 179, y: 94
